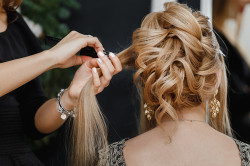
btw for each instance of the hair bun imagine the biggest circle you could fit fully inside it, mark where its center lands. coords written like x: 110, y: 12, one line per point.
x: 177, y: 60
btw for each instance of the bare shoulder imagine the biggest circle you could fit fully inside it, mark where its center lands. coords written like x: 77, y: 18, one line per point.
x: 191, y: 144
x: 138, y: 144
x: 140, y: 148
x: 225, y: 142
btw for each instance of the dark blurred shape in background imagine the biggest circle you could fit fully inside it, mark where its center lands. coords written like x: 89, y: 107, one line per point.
x: 194, y: 4
x: 238, y: 69
x: 113, y: 22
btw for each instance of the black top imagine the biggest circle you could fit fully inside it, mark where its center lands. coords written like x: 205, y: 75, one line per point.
x: 239, y: 84
x: 18, y: 108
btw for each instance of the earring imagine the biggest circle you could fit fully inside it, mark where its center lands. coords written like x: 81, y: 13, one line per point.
x: 148, y: 112
x: 214, y: 105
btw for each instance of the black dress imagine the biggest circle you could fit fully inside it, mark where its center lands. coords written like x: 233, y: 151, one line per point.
x: 18, y: 108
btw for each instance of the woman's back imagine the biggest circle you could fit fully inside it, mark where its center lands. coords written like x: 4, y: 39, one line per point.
x: 192, y: 144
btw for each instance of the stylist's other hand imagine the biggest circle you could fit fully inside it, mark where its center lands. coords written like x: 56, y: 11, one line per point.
x: 64, y: 53
x: 107, y: 68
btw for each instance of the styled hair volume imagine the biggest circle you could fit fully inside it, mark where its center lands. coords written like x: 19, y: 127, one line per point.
x: 177, y: 60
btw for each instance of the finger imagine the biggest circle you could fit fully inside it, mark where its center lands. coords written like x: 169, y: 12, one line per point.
x: 92, y: 63
x: 88, y: 36
x: 82, y: 59
x: 104, y: 82
x: 116, y: 63
x: 85, y: 58
x: 105, y: 71
x: 96, y: 80
x: 100, y: 89
x: 93, y: 42
x: 107, y: 62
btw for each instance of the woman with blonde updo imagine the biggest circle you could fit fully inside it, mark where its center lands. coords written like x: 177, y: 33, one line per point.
x: 180, y: 74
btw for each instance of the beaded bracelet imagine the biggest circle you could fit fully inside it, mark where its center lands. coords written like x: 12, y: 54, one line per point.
x: 62, y: 110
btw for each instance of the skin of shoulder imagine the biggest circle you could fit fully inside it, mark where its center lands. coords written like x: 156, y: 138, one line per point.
x: 188, y: 144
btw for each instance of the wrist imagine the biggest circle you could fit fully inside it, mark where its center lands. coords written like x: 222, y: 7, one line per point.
x: 50, y: 58
x: 68, y: 101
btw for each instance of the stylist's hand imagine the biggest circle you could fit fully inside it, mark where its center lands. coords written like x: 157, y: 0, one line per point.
x: 89, y: 69
x: 64, y: 52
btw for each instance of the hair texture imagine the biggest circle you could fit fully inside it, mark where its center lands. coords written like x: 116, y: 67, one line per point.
x: 89, y: 130
x: 177, y: 58
x: 10, y: 5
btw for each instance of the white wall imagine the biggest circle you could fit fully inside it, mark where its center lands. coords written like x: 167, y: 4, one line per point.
x: 245, y: 33
x: 206, y: 8
x: 157, y: 5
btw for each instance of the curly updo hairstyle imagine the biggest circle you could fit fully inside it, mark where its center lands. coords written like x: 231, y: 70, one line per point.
x: 177, y: 59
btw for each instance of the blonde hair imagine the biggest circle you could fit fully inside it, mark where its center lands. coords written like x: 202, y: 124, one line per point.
x: 89, y: 130
x: 177, y: 59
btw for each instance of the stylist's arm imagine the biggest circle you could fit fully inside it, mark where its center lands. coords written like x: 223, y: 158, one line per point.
x: 16, y: 73
x: 47, y: 118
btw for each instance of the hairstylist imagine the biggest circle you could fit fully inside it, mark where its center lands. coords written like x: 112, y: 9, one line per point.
x: 24, y: 109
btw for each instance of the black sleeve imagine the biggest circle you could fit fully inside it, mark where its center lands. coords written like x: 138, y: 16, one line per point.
x: 238, y: 76
x: 31, y: 97
x: 236, y: 64
x: 32, y: 44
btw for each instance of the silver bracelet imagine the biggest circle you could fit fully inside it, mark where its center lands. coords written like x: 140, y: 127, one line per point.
x: 65, y: 113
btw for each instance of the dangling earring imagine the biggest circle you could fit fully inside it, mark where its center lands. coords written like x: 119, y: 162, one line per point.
x: 149, y: 113
x: 214, y: 105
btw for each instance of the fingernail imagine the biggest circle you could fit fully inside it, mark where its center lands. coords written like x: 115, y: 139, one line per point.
x: 99, y: 60
x: 112, y: 55
x: 94, y: 70
x: 101, y: 54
